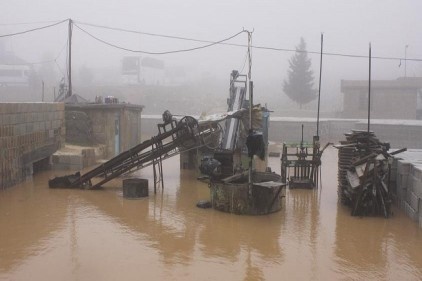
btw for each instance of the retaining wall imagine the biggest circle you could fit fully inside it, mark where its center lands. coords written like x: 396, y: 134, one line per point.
x: 407, y: 168
x: 29, y: 133
x: 117, y: 126
x: 399, y: 133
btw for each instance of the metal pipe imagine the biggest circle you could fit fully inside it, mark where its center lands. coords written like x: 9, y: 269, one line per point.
x: 369, y: 89
x: 319, y: 88
x: 69, y: 75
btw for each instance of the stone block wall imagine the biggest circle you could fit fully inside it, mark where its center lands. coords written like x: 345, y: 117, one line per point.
x: 408, y: 182
x: 29, y: 132
x: 76, y: 158
x: 398, y: 134
x: 113, y: 123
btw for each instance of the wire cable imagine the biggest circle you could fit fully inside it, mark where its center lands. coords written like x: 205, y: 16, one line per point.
x: 34, y: 29
x: 243, y: 45
x: 210, y: 43
x: 244, y: 63
x: 159, y: 53
x: 28, y: 23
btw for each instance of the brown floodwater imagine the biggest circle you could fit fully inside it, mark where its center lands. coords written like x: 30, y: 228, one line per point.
x: 50, y: 234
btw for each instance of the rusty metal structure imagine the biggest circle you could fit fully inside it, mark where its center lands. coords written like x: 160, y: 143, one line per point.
x: 300, y: 163
x: 173, y: 138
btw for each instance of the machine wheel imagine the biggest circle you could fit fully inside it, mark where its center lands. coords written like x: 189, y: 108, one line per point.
x: 188, y: 133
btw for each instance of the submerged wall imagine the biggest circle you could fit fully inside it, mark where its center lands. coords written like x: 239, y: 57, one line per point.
x: 117, y: 126
x: 407, y: 171
x: 29, y: 133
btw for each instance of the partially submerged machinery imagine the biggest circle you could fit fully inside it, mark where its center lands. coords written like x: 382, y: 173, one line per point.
x: 173, y: 138
x: 300, y: 163
x: 237, y: 169
x: 234, y: 155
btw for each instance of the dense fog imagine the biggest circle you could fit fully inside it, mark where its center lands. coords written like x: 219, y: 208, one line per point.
x: 197, y: 81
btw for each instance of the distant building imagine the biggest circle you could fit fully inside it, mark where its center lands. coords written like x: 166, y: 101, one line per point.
x: 13, y: 70
x: 147, y: 71
x: 390, y: 99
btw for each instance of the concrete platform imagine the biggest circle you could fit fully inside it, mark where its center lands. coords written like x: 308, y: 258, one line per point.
x: 76, y: 158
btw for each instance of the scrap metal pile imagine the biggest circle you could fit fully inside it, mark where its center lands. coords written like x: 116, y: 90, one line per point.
x: 363, y: 174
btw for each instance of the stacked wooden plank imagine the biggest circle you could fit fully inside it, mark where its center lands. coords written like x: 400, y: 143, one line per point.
x: 363, y: 170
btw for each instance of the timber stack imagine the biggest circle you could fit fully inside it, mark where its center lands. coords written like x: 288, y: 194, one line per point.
x: 363, y: 174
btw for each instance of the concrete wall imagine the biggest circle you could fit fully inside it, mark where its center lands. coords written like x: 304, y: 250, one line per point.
x: 385, y: 103
x: 390, y: 99
x: 105, y: 118
x: 408, y: 178
x: 29, y: 132
x: 399, y: 133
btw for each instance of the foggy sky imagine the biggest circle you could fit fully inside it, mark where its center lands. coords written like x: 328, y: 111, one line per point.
x: 348, y: 27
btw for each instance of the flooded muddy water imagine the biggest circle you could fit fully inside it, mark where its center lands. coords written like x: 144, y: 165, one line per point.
x: 48, y: 234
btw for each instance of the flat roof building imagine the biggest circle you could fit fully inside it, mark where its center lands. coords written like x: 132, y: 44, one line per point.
x: 390, y: 99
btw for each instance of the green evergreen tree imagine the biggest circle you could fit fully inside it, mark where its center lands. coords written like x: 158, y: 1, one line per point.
x: 300, y: 82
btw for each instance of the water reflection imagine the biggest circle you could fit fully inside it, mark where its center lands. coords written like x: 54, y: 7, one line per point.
x: 99, y: 235
x: 376, y: 248
x: 27, y: 221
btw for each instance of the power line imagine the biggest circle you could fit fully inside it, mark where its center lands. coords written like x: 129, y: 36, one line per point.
x: 159, y: 53
x: 27, y: 23
x: 31, y: 30
x: 209, y: 43
x: 149, y: 33
x: 245, y: 46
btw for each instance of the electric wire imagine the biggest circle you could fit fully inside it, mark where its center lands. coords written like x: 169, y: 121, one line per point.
x: 33, y: 29
x: 252, y: 46
x: 244, y: 63
x: 210, y: 43
x: 159, y: 53
x: 59, y: 54
x: 28, y: 23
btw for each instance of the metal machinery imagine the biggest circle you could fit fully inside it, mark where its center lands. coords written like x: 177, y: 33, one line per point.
x: 237, y: 100
x: 300, y: 163
x: 173, y: 138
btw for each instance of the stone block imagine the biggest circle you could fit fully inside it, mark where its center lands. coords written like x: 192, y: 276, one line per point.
x: 410, y: 212
x: 55, y: 159
x: 413, y: 201
x: 403, y: 167
x: 417, y: 171
x: 417, y: 186
x: 401, y: 193
x: 29, y: 128
x: 402, y: 181
x: 76, y: 160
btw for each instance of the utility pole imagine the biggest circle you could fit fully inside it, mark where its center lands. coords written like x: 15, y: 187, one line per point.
x: 369, y: 89
x: 405, y: 60
x: 319, y: 88
x: 250, y: 109
x: 69, y: 74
